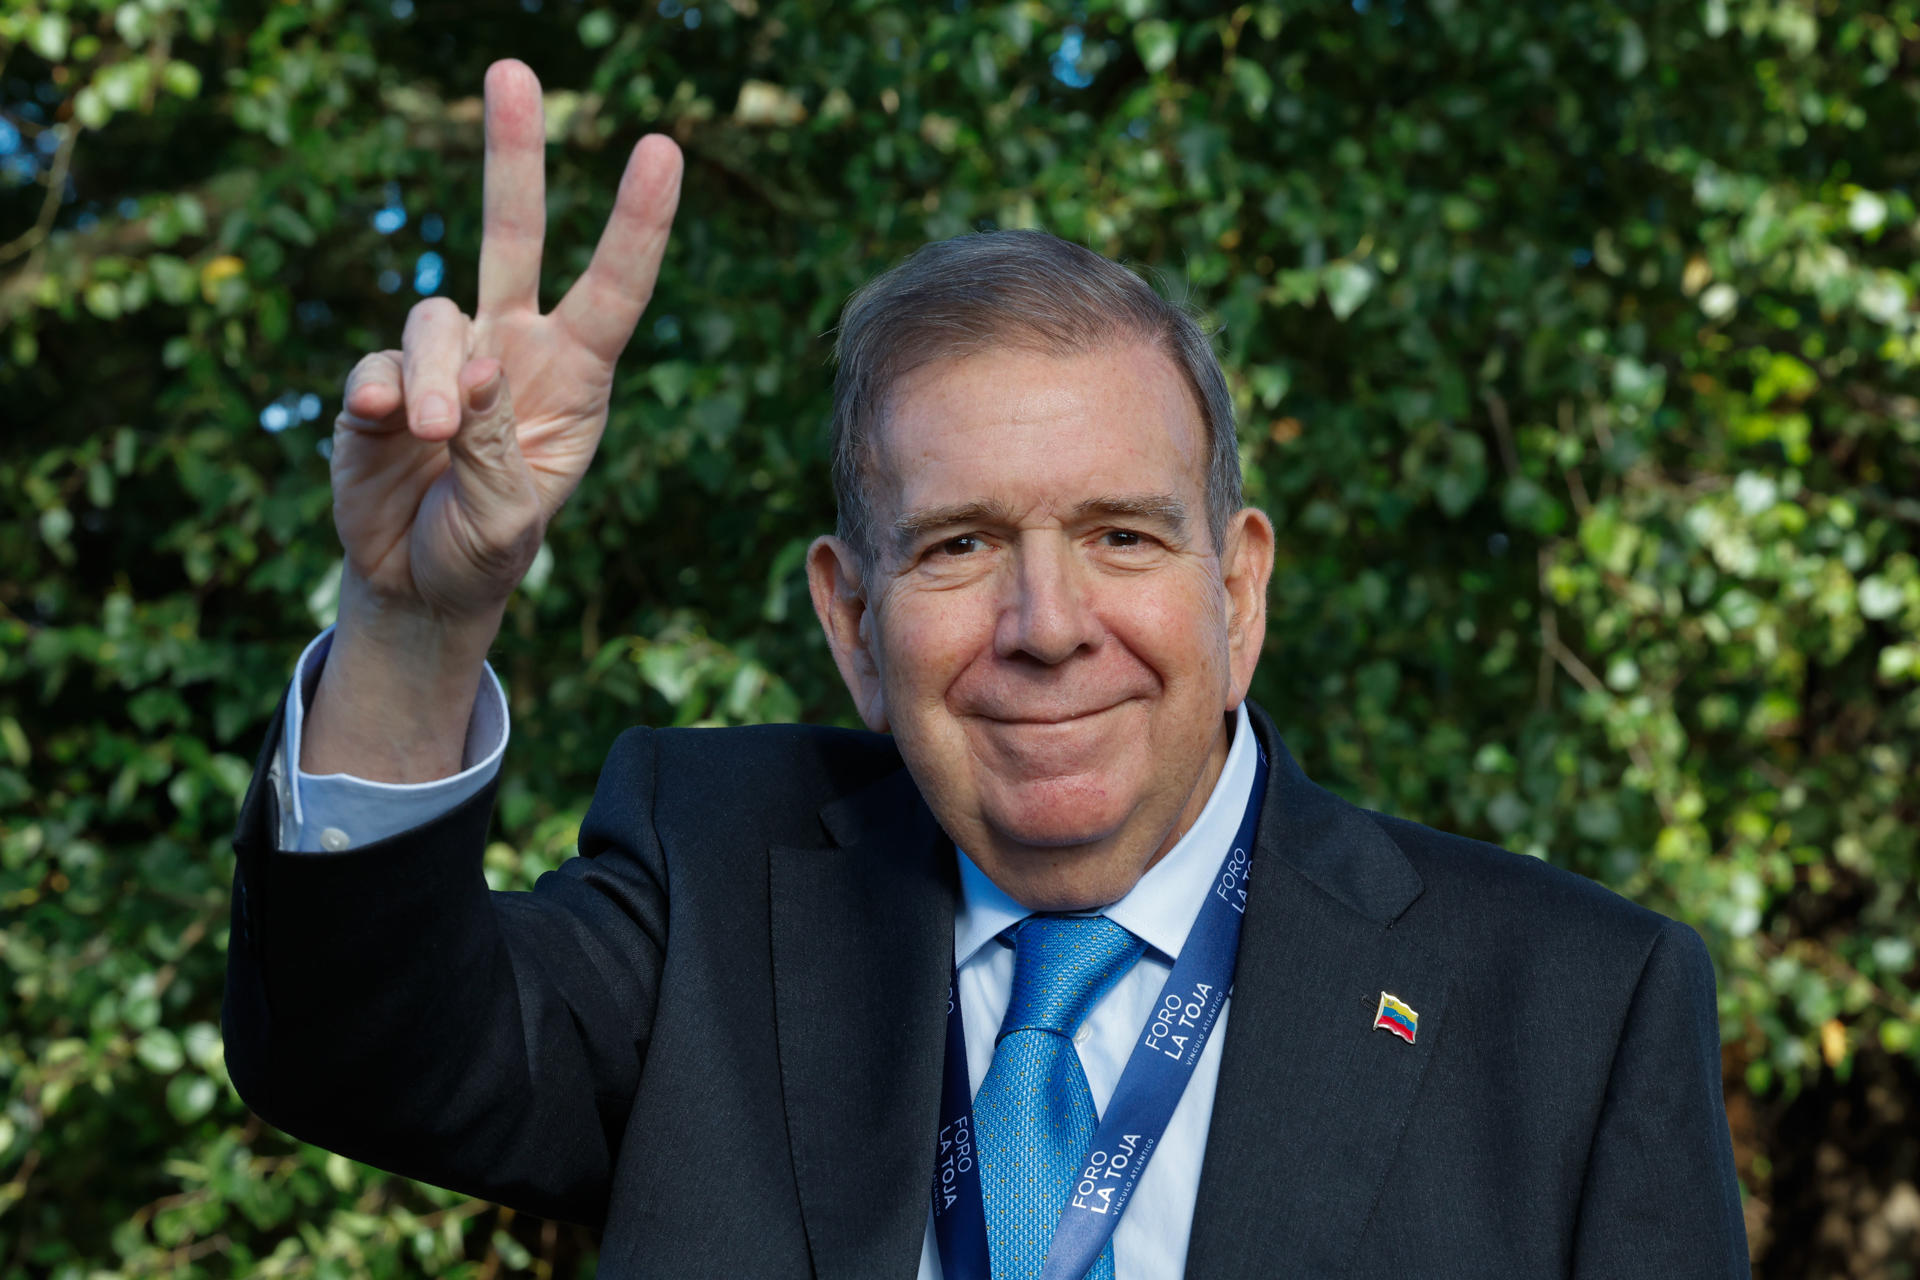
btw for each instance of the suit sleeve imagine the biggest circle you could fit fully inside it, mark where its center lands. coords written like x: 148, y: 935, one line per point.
x: 384, y: 1003
x: 1660, y: 1198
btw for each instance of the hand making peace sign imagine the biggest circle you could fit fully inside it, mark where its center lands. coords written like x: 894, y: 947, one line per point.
x: 451, y: 454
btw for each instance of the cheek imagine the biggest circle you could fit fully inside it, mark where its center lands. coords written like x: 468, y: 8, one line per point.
x: 927, y: 640
x: 1182, y: 634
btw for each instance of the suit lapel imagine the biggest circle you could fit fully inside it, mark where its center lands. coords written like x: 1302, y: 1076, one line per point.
x: 1312, y: 1099
x: 862, y: 953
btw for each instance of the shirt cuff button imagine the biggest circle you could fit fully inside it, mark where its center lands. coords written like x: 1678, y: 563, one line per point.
x: 333, y: 840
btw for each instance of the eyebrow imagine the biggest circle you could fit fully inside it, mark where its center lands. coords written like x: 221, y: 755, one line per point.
x: 1158, y: 508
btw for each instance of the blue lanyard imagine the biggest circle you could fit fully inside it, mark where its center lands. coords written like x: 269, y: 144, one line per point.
x: 1155, y: 1076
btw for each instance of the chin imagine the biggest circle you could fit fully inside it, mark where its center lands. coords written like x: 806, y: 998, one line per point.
x: 1061, y: 844
x: 1064, y: 814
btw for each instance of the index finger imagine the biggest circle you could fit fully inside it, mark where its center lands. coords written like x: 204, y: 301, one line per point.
x: 606, y: 301
x: 514, y: 218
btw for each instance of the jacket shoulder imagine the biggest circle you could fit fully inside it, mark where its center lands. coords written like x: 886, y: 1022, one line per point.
x: 1502, y: 902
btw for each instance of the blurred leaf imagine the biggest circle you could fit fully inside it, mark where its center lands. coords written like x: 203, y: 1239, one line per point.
x: 160, y: 1050
x: 597, y: 29
x: 182, y: 79
x: 47, y: 35
x: 1156, y: 40
x: 1347, y: 285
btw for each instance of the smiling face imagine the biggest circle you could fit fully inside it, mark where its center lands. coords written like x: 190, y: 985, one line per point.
x: 1047, y: 628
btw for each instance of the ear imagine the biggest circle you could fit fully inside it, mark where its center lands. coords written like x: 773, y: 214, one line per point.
x: 1246, y: 565
x: 835, y: 579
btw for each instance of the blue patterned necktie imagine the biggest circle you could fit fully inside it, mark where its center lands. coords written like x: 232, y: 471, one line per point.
x: 1034, y: 1112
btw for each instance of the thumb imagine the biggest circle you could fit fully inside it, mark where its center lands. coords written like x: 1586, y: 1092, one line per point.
x: 494, y: 484
x: 486, y: 449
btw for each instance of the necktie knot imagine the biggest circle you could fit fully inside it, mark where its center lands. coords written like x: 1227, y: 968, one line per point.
x: 1062, y: 966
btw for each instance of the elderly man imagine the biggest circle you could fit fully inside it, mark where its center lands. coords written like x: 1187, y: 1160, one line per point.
x: 1063, y: 969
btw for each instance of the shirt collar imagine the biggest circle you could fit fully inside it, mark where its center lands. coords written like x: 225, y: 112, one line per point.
x: 1161, y: 907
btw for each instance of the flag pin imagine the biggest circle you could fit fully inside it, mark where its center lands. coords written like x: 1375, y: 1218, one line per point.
x: 1397, y: 1016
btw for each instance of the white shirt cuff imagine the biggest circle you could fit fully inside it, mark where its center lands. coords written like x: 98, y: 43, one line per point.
x: 328, y: 813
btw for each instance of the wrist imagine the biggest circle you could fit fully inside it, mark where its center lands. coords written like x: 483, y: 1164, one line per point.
x: 397, y: 691
x: 409, y: 634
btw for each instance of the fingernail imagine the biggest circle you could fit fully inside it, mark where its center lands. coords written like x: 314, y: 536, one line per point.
x: 435, y: 411
x: 483, y: 396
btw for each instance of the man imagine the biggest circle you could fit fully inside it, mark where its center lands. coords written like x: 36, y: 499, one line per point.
x: 817, y: 1002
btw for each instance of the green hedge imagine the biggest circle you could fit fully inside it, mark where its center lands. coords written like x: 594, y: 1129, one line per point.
x: 1575, y: 350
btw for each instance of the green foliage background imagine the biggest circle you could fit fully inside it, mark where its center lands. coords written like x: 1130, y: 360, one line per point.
x: 1575, y: 348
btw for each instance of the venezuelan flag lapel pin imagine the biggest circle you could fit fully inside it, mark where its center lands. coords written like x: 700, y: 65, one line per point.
x: 1397, y: 1016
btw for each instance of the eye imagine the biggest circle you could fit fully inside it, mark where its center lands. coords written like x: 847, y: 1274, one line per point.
x: 1123, y: 538
x: 965, y: 544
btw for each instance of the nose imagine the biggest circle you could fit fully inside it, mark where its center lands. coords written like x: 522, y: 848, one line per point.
x: 1048, y: 615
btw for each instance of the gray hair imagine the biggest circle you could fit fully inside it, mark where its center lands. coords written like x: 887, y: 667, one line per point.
x: 995, y: 290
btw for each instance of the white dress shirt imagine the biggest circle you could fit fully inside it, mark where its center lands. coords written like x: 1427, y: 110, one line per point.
x: 324, y: 813
x: 329, y: 812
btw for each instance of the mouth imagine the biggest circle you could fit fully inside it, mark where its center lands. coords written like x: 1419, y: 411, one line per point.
x: 1043, y: 718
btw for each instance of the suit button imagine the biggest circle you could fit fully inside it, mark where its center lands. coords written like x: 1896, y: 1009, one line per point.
x: 333, y: 840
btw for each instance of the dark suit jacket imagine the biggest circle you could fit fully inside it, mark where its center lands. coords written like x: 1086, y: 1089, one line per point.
x: 717, y: 1033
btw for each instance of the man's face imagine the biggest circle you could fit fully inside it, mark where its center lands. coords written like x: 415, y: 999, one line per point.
x: 1047, y: 627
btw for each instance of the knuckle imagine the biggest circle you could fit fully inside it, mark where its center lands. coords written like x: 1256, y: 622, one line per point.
x: 435, y: 311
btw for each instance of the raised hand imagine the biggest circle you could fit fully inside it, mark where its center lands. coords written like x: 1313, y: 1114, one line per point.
x: 452, y: 453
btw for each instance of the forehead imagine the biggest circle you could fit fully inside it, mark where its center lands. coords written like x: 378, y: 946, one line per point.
x: 1040, y: 432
